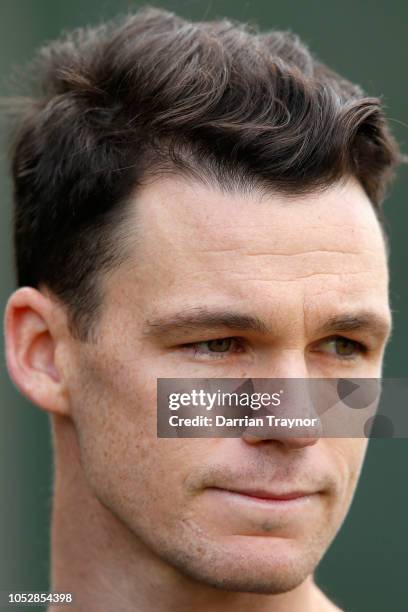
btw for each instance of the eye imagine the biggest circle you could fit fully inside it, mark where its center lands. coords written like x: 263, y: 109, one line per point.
x: 341, y: 347
x: 219, y: 345
x: 215, y: 349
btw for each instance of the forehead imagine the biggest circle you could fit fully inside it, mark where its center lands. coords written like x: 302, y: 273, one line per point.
x: 193, y: 243
x: 179, y: 212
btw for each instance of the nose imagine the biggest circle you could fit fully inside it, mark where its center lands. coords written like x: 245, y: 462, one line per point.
x: 294, y: 423
x: 291, y: 437
x: 289, y: 442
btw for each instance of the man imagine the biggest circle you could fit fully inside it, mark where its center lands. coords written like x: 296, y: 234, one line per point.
x: 194, y: 200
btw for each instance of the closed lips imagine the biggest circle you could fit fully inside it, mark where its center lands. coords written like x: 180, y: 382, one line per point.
x: 269, y: 495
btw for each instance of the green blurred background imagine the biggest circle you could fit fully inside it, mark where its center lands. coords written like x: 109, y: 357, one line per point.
x: 366, y: 569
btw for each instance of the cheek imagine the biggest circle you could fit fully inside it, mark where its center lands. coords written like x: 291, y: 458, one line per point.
x: 348, y: 456
x: 128, y: 469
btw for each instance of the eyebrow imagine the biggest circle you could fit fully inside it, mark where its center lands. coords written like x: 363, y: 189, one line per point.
x: 372, y: 322
x: 201, y: 318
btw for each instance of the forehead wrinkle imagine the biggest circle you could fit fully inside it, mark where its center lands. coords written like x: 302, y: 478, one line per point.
x: 215, y: 222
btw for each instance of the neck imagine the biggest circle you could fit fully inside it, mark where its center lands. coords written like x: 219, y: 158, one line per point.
x: 107, y: 567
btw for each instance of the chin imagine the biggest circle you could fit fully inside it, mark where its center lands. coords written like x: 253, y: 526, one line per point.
x: 271, y: 584
x: 252, y: 564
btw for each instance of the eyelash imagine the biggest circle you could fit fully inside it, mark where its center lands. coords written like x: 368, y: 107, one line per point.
x: 358, y: 346
x: 215, y: 355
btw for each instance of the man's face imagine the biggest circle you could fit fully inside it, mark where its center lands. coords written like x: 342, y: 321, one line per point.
x: 294, y: 264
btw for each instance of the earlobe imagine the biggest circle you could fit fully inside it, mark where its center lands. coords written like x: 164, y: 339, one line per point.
x: 30, y: 350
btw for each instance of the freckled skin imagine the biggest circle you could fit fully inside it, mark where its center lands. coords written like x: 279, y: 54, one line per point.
x: 149, y: 528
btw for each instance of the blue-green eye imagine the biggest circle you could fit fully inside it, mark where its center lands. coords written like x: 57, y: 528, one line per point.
x: 220, y: 345
x: 345, y: 348
x: 215, y: 349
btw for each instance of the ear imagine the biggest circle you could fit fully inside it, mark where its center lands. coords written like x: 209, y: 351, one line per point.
x: 31, y: 348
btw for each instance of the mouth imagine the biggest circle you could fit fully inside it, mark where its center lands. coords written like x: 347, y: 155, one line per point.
x: 278, y: 498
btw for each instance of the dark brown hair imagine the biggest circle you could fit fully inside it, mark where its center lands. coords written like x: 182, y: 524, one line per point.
x: 153, y: 93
